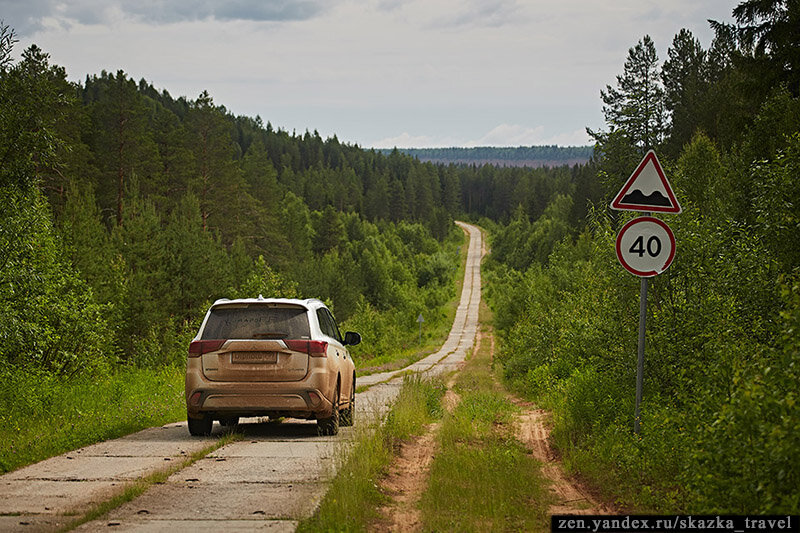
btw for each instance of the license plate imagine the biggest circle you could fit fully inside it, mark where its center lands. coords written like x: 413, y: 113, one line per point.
x: 254, y: 357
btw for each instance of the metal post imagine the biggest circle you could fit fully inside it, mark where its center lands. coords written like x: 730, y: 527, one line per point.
x: 640, y: 362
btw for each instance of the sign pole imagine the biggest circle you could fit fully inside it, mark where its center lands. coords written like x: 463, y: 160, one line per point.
x: 645, y: 245
x: 640, y: 362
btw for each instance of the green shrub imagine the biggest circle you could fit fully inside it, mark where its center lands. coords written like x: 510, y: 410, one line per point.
x: 747, y: 458
x: 50, y: 319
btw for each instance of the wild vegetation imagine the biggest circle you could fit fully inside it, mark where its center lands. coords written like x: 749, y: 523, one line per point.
x: 126, y: 211
x: 45, y: 415
x: 720, y: 416
x: 481, y: 477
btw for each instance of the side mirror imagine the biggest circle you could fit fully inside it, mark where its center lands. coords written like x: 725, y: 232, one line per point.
x: 351, y: 338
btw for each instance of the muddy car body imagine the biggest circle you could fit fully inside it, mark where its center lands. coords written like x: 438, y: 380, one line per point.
x: 270, y: 357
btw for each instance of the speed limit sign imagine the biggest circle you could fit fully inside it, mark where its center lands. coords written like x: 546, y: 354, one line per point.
x: 645, y: 247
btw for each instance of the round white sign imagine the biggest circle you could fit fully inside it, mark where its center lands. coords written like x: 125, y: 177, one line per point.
x: 645, y: 246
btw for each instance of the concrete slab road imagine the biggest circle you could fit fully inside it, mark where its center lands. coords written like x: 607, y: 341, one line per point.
x: 272, y: 478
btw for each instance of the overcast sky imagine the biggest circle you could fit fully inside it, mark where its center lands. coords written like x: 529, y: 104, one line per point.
x: 380, y: 73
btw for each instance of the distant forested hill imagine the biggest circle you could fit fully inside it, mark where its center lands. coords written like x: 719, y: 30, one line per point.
x: 522, y: 156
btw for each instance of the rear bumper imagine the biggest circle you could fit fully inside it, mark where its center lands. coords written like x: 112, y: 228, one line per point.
x: 217, y: 403
x: 309, y: 398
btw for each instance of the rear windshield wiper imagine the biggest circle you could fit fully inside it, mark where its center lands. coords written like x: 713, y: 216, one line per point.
x: 270, y: 335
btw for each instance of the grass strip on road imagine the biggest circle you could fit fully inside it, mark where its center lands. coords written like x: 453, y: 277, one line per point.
x: 137, y: 488
x: 353, y: 499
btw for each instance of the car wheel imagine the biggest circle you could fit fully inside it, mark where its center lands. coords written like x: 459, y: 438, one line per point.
x: 229, y: 421
x: 348, y: 416
x: 200, y: 427
x: 330, y: 425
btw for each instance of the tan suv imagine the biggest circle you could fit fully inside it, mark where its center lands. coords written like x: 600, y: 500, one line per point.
x: 270, y: 357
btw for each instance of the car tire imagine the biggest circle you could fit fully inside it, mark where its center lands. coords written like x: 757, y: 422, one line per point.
x: 348, y: 416
x: 229, y: 421
x: 200, y: 427
x: 330, y: 425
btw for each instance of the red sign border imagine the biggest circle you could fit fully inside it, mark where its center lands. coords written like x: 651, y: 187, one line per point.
x: 629, y: 268
x: 674, y: 209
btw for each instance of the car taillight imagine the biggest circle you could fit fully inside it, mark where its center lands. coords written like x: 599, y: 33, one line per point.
x: 195, y: 398
x: 312, y: 348
x: 317, y: 348
x: 198, y: 348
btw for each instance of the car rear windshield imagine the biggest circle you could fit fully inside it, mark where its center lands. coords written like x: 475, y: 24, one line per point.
x: 257, y: 322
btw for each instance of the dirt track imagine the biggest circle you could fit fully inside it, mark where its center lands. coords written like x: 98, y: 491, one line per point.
x: 269, y: 480
x: 407, y: 476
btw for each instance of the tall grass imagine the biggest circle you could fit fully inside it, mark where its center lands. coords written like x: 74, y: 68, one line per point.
x: 42, y: 415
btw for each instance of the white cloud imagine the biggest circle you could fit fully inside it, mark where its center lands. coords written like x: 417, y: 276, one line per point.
x: 479, y: 13
x: 516, y: 135
x: 502, y: 135
x: 406, y: 140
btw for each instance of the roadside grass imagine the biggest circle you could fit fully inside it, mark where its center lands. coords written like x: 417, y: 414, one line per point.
x: 435, y: 329
x: 136, y: 488
x: 42, y: 416
x: 353, y: 498
x: 482, y: 478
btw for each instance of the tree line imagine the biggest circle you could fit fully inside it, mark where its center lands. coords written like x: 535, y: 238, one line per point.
x: 531, y: 156
x: 720, y: 415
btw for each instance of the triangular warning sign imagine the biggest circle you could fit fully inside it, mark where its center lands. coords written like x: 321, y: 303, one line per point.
x: 647, y: 189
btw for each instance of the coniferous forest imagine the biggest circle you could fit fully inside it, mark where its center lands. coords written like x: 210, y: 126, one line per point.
x: 126, y: 211
x: 720, y: 427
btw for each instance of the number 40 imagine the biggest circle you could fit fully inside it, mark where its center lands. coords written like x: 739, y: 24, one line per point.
x: 653, y: 246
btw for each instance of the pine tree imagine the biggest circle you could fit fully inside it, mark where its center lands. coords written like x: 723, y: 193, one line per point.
x: 148, y: 291
x: 685, y: 88
x: 768, y: 32
x: 296, y: 226
x: 36, y: 100
x: 177, y: 163
x: 88, y: 245
x: 123, y: 143
x: 329, y: 230
x: 196, y: 263
x: 263, y: 188
x: 451, y: 190
x: 216, y: 181
x: 636, y: 104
